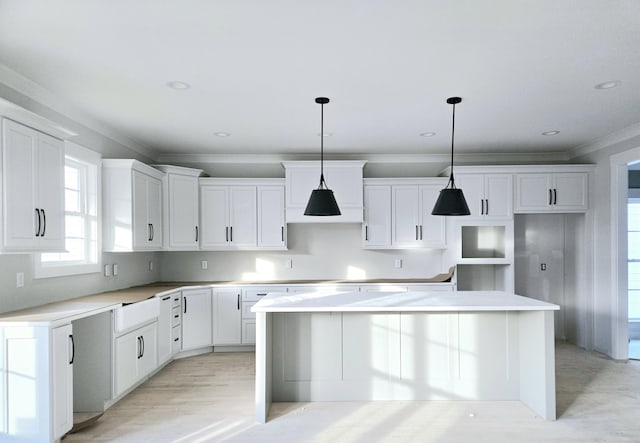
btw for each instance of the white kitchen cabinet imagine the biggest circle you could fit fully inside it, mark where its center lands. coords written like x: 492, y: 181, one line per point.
x: 229, y: 216
x: 135, y: 356
x: 181, y: 208
x: 132, y: 206
x: 32, y: 166
x: 552, y: 192
x: 344, y: 178
x: 398, y: 214
x: 487, y: 195
x: 166, y: 322
x: 36, y: 383
x: 196, y: 318
x: 272, y: 229
x: 250, y: 296
x: 227, y: 314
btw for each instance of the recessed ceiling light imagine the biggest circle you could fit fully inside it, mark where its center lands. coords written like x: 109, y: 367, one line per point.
x: 551, y: 133
x: 178, y: 85
x: 427, y: 134
x: 608, y: 85
x: 221, y: 134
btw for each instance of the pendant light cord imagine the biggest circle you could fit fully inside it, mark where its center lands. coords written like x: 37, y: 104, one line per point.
x: 453, y: 131
x: 322, y: 182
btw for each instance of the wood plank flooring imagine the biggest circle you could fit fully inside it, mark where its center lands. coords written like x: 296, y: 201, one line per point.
x: 209, y: 398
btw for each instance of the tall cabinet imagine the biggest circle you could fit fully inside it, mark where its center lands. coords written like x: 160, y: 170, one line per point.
x: 32, y: 166
x: 132, y: 206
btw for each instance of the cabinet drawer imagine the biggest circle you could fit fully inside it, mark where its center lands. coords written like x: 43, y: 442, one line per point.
x: 175, y: 316
x: 176, y: 338
x: 255, y: 294
x: 176, y: 300
x: 135, y: 314
x: 246, y: 309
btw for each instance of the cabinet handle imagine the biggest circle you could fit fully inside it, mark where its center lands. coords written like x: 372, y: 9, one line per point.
x: 148, y: 231
x: 550, y: 196
x: 139, y: 347
x: 555, y: 196
x: 196, y: 234
x: 226, y: 233
x: 153, y: 232
x: 73, y: 349
x: 366, y: 233
x: 282, y: 233
x: 231, y: 233
x: 416, y: 232
x: 142, y: 340
x: 44, y: 223
x: 185, y: 304
x: 262, y: 294
x: 166, y: 298
x: 238, y: 302
x: 176, y: 316
x: 486, y: 206
x: 176, y: 339
x: 39, y: 221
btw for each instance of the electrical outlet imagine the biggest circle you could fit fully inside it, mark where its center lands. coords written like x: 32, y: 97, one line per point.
x: 19, y: 279
x: 398, y: 263
x: 288, y: 264
x: 107, y: 270
x: 150, y: 266
x: 115, y: 269
x: 204, y: 264
x: 543, y: 266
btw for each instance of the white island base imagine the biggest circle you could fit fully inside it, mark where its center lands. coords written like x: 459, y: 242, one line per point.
x: 405, y: 346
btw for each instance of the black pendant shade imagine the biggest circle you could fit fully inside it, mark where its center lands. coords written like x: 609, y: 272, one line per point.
x: 322, y: 201
x: 451, y: 200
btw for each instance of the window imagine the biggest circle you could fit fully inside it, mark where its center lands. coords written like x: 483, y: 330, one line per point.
x: 633, y: 253
x: 82, y: 218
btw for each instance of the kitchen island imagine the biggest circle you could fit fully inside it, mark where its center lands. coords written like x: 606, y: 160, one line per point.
x: 354, y: 346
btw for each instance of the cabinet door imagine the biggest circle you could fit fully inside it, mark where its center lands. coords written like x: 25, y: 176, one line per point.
x: 165, y: 324
x: 271, y: 224
x: 243, y: 217
x: 50, y: 192
x: 183, y: 212
x: 472, y: 186
x: 21, y: 221
x: 533, y: 193
x: 248, y: 332
x: 196, y: 319
x: 62, y: 357
x: 376, y: 230
x: 148, y: 360
x: 126, y: 352
x: 214, y: 217
x: 154, y: 211
x: 498, y: 195
x: 227, y: 314
x: 571, y: 191
x: 141, y: 226
x: 405, y: 205
x: 432, y: 227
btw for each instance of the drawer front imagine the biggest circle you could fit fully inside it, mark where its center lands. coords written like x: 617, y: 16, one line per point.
x: 176, y: 300
x: 175, y: 316
x: 246, y: 309
x: 176, y: 339
x: 255, y: 294
x: 135, y: 314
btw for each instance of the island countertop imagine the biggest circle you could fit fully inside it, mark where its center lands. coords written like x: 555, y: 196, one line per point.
x: 400, y: 302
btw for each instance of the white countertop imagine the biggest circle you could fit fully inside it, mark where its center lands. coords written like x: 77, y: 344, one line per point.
x: 436, y: 301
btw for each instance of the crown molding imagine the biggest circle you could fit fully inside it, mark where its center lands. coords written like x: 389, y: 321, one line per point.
x: 608, y: 140
x: 42, y: 96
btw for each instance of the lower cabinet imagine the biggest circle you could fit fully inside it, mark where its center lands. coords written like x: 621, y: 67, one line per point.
x: 227, y: 305
x: 169, y: 321
x: 250, y: 296
x: 196, y: 319
x: 135, y: 356
x: 36, y: 383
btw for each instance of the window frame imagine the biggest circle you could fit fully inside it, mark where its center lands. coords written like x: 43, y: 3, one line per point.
x: 79, y: 155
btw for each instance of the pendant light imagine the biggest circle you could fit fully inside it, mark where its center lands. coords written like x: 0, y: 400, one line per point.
x: 451, y: 200
x: 322, y: 201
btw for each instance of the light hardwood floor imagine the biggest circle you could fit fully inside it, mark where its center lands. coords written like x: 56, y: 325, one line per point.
x: 209, y: 398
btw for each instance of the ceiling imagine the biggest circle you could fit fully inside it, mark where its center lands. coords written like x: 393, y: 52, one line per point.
x: 255, y: 66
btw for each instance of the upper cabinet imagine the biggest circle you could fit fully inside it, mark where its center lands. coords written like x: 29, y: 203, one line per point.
x: 398, y: 214
x: 32, y: 165
x: 344, y: 178
x: 487, y: 194
x: 566, y: 190
x: 181, y: 208
x: 242, y: 214
x: 132, y: 206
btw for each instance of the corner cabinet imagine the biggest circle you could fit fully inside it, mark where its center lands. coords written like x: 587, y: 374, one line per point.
x: 397, y: 214
x: 36, y: 383
x: 132, y: 206
x: 344, y: 178
x: 242, y: 214
x: 32, y: 166
x: 558, y: 189
x: 180, y: 208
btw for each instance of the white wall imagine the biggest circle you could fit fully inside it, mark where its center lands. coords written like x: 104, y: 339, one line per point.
x: 317, y: 251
